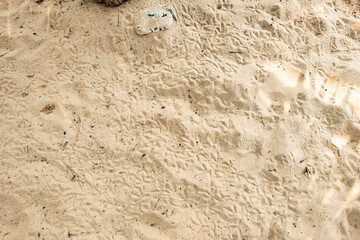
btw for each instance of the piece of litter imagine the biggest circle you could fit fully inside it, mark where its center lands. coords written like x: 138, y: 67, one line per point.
x: 155, y: 20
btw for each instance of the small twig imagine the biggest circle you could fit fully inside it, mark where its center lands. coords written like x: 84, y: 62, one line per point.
x: 1, y: 55
x: 118, y: 18
x: 134, y: 147
x: 172, y: 14
x: 27, y: 149
x: 338, y: 150
x: 235, y: 52
x: 331, y: 41
x: 157, y: 202
x: 75, y: 176
x: 71, y: 170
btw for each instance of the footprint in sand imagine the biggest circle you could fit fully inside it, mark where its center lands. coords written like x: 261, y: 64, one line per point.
x: 14, y: 221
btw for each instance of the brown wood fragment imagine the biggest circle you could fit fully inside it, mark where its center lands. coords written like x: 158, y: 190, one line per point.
x: 48, y: 109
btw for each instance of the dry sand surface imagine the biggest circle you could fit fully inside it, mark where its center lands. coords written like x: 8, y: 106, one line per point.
x: 242, y: 121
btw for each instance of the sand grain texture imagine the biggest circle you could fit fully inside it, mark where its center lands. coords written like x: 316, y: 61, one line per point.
x: 202, y: 131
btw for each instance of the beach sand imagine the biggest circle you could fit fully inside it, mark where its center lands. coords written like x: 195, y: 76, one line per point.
x: 242, y: 121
